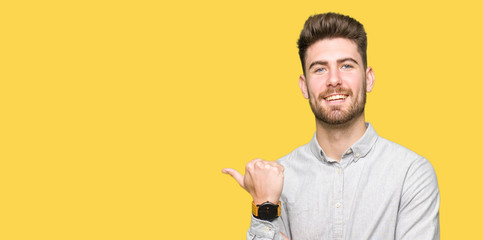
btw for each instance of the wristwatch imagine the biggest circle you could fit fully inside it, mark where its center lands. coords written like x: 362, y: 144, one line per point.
x: 266, y: 211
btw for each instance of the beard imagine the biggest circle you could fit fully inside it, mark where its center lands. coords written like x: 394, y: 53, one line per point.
x: 336, y: 115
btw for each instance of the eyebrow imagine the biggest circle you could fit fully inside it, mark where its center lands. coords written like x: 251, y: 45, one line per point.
x: 338, y: 61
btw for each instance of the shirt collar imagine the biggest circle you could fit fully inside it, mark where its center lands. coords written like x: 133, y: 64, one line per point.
x: 359, y: 149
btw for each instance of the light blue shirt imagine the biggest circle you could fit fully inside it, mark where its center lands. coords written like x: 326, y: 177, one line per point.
x: 379, y: 190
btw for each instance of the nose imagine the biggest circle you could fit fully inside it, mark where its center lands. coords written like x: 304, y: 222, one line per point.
x: 334, y: 79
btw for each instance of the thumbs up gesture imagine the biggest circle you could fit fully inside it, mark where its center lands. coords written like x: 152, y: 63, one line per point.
x: 263, y: 180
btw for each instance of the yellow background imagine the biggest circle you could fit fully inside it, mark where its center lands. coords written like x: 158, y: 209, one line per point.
x: 116, y: 117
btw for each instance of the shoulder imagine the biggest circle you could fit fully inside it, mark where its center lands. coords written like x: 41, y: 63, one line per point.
x: 396, y: 156
x: 387, y: 147
x: 301, y: 153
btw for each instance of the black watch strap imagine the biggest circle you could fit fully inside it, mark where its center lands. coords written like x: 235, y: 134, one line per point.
x: 266, y: 211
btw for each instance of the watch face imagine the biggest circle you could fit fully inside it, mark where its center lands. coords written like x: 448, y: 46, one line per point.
x: 267, y: 211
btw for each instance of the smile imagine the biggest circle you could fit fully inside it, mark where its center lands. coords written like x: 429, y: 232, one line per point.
x: 335, y: 97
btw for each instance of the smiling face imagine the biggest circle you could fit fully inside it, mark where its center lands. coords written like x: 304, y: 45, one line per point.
x: 335, y: 81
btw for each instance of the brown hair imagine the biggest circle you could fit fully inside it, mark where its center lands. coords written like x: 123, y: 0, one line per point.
x: 332, y: 25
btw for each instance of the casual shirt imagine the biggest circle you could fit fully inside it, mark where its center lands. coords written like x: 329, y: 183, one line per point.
x: 378, y: 190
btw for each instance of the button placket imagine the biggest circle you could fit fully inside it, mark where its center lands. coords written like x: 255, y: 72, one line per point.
x: 338, y: 222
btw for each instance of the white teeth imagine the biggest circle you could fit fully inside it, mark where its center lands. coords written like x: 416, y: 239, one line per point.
x: 336, y: 97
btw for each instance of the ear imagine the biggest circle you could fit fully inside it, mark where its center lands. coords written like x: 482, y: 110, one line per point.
x: 370, y: 79
x: 303, y: 86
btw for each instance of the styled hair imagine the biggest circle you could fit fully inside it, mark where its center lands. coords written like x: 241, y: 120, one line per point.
x: 332, y: 25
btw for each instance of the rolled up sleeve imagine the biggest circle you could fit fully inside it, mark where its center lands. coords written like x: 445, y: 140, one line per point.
x: 264, y: 230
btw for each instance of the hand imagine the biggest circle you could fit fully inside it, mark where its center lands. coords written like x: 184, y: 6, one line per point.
x: 263, y: 180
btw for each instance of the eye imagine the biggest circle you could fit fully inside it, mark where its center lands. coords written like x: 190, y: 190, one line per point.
x: 320, y: 70
x: 346, y: 66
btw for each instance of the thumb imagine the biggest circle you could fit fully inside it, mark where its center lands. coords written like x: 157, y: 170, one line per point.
x: 235, y: 174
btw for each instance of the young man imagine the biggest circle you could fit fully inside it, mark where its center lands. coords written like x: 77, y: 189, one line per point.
x: 348, y: 182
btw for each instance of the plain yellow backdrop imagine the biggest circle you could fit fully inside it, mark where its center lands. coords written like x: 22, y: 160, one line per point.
x: 116, y: 117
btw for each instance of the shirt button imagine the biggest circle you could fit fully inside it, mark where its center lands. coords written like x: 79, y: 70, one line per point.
x: 337, y: 205
x: 349, y: 151
x: 339, y: 170
x: 357, y: 155
x: 267, y: 229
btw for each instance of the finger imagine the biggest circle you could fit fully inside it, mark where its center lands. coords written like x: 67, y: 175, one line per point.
x: 277, y: 165
x: 260, y: 164
x: 235, y: 174
x: 273, y: 163
x: 250, y: 165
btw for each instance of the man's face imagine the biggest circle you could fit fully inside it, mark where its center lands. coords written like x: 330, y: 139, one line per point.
x: 335, y: 81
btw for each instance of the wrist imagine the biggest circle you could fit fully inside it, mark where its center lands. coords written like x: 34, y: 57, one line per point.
x: 266, y: 211
x: 259, y: 201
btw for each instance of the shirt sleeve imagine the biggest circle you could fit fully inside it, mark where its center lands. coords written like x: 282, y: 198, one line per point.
x: 418, y: 216
x: 264, y: 230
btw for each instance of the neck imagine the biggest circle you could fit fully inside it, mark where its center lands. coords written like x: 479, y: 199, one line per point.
x: 336, y: 139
